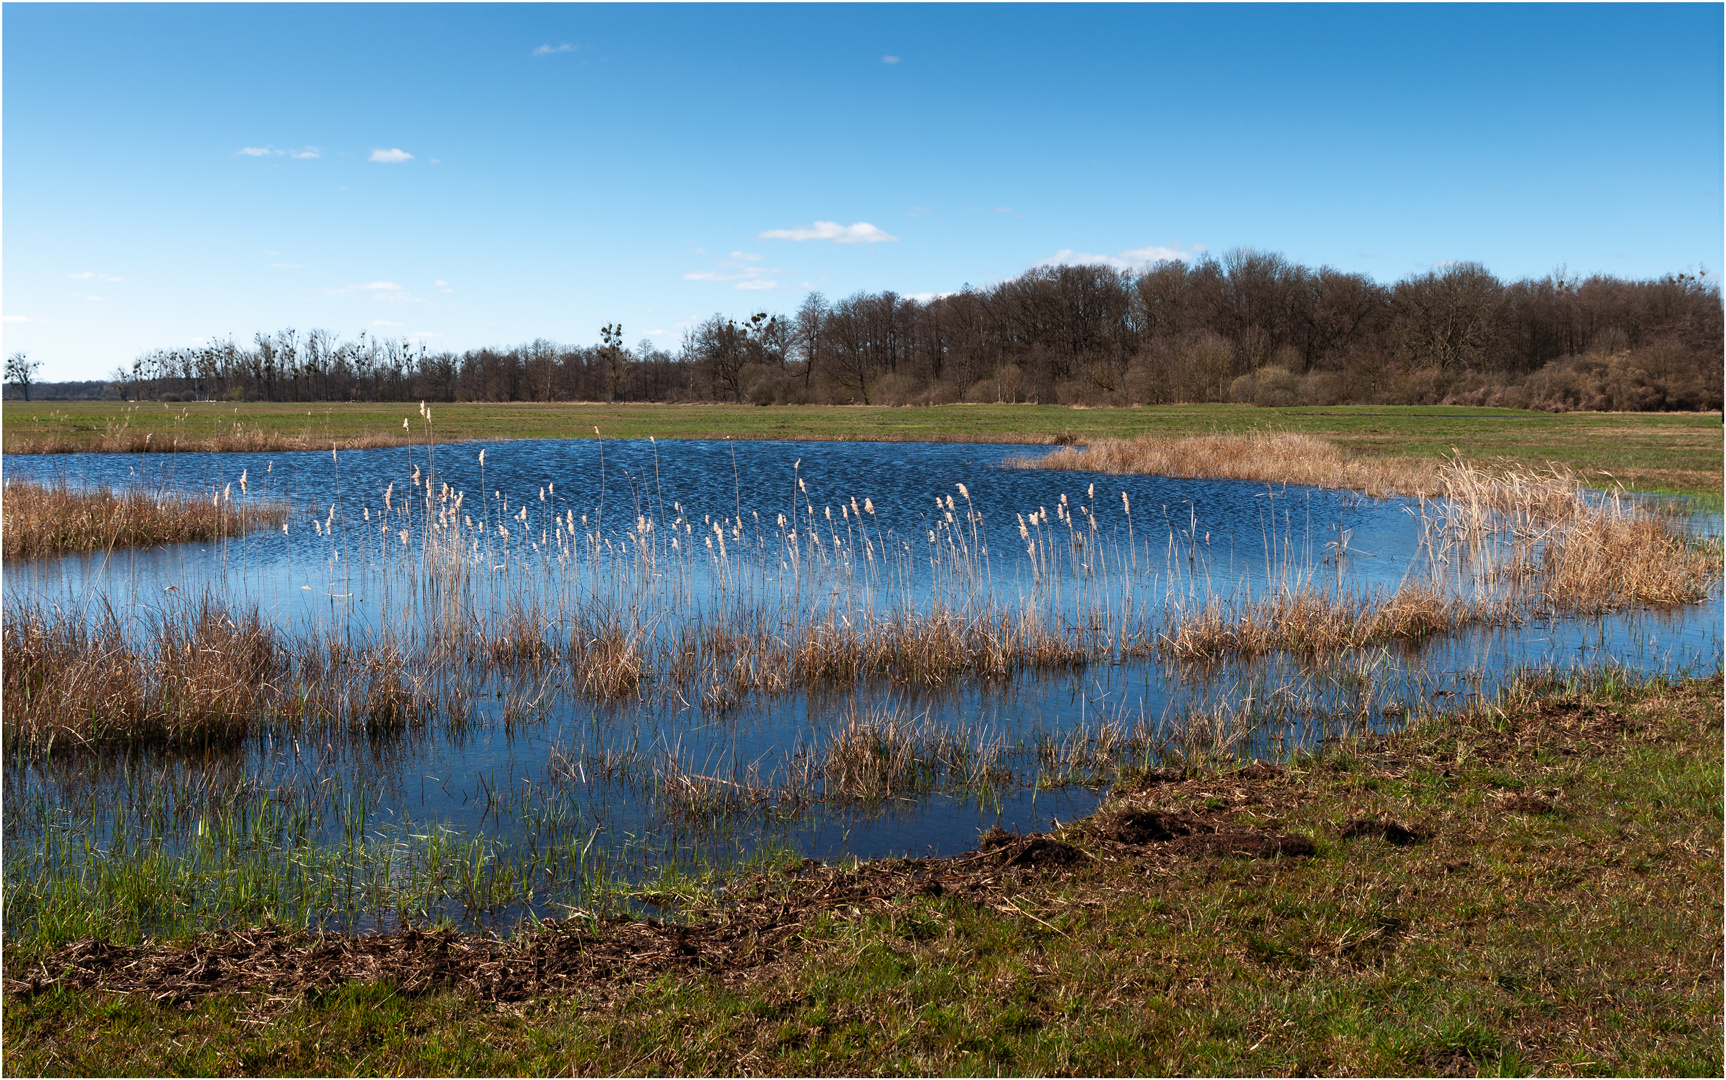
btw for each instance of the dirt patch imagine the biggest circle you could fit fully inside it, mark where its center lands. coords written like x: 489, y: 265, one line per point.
x: 1036, y: 850
x: 1150, y: 827
x: 1390, y: 832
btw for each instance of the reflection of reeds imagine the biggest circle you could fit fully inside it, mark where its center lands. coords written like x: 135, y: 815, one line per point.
x: 42, y: 520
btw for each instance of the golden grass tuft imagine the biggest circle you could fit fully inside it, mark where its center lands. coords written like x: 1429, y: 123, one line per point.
x: 46, y: 520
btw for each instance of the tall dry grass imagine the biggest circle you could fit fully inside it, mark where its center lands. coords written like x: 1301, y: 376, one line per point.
x: 37, y: 520
x: 201, y: 673
x: 1272, y: 457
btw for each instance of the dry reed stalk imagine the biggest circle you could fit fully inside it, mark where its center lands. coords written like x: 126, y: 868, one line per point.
x: 608, y: 661
x: 1266, y: 456
x: 201, y: 675
x: 1614, y: 558
x: 41, y: 520
x: 1307, y: 621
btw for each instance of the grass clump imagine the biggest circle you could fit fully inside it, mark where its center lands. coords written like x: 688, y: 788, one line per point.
x: 42, y: 520
x: 1385, y: 906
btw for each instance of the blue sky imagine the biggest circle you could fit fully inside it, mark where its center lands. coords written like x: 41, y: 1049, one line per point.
x: 491, y: 174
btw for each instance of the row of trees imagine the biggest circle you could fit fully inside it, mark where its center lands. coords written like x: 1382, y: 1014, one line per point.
x: 1249, y: 326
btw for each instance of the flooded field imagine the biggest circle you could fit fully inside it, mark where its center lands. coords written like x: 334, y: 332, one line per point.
x: 476, y: 682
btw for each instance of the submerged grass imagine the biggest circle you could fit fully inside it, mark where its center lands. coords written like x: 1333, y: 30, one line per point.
x: 1533, y: 885
x: 42, y: 520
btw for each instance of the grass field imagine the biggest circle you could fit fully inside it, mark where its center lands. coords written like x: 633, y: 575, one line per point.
x: 1531, y: 886
x: 1671, y: 452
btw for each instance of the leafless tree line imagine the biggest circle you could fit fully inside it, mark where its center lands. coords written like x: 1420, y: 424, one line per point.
x: 1250, y: 326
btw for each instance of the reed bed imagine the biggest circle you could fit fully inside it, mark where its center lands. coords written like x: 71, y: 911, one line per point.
x: 45, y: 520
x: 195, y: 675
x: 1272, y: 457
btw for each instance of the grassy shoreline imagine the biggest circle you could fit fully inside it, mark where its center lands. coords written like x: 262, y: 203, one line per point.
x: 1667, y: 452
x: 1530, y: 885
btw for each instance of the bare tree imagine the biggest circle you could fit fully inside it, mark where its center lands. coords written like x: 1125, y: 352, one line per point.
x: 21, y: 371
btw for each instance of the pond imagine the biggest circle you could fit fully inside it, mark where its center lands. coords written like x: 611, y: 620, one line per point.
x: 635, y: 662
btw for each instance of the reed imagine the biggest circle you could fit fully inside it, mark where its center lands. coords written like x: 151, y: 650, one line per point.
x: 45, y: 520
x: 196, y: 674
x: 1272, y: 457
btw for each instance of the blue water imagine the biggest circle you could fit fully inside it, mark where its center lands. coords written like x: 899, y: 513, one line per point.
x: 1181, y: 540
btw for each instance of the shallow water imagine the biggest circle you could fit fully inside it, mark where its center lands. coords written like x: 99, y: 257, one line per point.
x: 527, y: 766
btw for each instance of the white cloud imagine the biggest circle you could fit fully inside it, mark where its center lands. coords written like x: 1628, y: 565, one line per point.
x: 1131, y: 259
x: 391, y: 156
x: 860, y: 233
x: 741, y: 267
x: 15, y: 318
x: 889, y: 59
x: 270, y: 151
x: 98, y: 299
x: 925, y: 297
x: 376, y: 290
x: 440, y: 283
x: 548, y: 50
x: 91, y: 275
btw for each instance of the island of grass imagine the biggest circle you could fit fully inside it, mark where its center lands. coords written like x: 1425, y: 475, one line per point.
x: 44, y: 520
x: 1533, y: 885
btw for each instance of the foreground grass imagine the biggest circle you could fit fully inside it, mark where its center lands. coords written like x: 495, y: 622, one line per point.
x: 1532, y: 886
x: 1672, y: 452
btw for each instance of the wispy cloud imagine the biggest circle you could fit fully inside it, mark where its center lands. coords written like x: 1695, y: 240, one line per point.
x: 925, y: 297
x: 746, y: 256
x: 889, y: 59
x: 376, y: 290
x: 15, y: 318
x: 270, y: 151
x: 756, y: 283
x: 860, y: 233
x: 392, y: 156
x: 1131, y: 259
x: 549, y: 50
x: 91, y: 275
x: 743, y: 267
